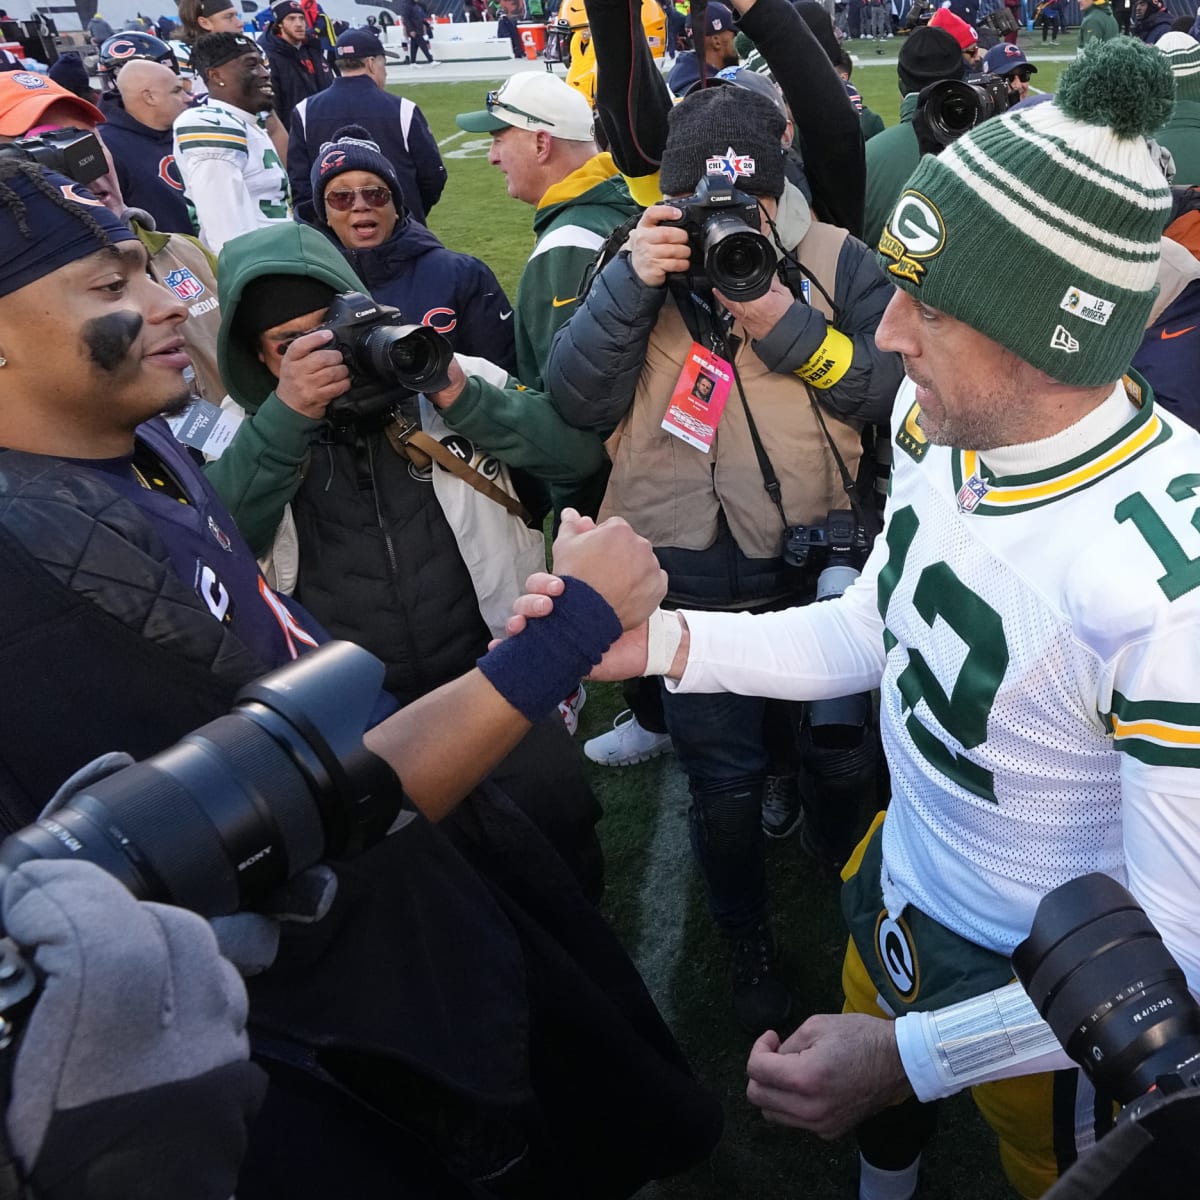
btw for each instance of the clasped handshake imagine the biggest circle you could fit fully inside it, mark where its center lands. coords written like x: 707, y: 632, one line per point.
x: 617, y: 563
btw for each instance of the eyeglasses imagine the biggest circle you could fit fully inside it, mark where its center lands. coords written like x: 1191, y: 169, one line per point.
x: 492, y: 100
x: 343, y: 201
x: 1024, y: 74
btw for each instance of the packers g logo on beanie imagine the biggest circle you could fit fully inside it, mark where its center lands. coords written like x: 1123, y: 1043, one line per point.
x: 915, y: 232
x: 1068, y: 193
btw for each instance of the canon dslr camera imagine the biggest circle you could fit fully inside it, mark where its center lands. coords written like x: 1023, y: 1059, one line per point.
x: 729, y: 250
x: 947, y: 109
x: 388, y: 358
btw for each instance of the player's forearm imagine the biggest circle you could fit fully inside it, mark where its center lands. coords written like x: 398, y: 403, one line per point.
x: 468, y: 714
x: 812, y: 653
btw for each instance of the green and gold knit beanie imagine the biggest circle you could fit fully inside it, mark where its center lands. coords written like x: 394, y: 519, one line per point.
x: 1066, y: 196
x: 1183, y: 53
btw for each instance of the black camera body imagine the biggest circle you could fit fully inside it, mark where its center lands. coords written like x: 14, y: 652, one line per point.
x: 729, y: 250
x: 75, y: 153
x: 839, y: 541
x: 388, y: 358
x: 947, y: 109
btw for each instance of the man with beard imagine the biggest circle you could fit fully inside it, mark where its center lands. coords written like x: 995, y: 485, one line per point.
x: 714, y: 51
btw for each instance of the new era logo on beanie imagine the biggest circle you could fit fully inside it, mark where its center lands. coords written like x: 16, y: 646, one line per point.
x: 1068, y: 192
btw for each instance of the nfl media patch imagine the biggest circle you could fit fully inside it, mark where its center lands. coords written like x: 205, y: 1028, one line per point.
x: 184, y: 284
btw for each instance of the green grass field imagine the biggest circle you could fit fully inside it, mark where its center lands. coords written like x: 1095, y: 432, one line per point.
x: 654, y: 897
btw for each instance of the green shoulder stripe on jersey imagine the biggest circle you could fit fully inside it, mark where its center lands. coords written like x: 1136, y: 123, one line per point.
x: 1020, y: 493
x: 1156, y: 732
x: 191, y: 139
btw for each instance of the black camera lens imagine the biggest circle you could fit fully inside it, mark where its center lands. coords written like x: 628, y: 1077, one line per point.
x: 245, y: 802
x: 1098, y: 972
x: 738, y: 261
x: 412, y: 356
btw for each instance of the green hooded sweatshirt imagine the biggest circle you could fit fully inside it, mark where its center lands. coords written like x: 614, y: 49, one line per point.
x: 263, y: 466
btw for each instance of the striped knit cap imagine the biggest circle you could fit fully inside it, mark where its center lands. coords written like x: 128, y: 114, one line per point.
x: 1183, y: 53
x: 1067, y: 196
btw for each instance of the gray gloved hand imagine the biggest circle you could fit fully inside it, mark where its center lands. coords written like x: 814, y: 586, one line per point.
x: 135, y: 997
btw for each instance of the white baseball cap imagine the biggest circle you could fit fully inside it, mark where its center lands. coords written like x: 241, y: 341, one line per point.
x: 533, y: 100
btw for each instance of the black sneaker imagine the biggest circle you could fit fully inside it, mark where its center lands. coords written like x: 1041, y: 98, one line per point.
x: 781, y: 808
x: 760, y: 1000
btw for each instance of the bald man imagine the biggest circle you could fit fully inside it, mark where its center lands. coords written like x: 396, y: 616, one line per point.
x: 137, y: 132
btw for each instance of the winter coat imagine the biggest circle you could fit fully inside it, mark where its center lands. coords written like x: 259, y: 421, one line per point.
x: 396, y: 125
x: 296, y: 72
x: 892, y: 156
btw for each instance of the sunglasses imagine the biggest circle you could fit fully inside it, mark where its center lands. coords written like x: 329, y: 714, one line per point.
x: 343, y: 201
x: 972, y: 53
x: 1024, y: 75
x: 492, y: 100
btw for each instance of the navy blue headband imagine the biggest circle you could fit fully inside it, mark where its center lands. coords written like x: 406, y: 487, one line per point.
x: 58, y: 236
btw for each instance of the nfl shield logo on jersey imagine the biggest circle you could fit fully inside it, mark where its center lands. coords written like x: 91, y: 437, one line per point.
x: 971, y: 493
x: 184, y: 284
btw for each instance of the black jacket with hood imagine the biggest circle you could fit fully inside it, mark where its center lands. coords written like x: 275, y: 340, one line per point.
x: 296, y: 72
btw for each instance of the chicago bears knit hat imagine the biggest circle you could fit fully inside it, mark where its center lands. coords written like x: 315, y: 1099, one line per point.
x: 1069, y: 191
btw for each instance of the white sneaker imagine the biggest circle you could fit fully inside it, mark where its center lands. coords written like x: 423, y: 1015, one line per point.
x: 570, y: 708
x: 626, y: 743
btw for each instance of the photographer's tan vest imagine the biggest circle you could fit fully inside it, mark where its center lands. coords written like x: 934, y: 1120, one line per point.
x: 671, y: 493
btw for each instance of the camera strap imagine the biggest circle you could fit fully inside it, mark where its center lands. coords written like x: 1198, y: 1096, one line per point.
x: 419, y: 448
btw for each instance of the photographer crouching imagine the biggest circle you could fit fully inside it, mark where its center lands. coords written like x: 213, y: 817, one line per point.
x: 740, y: 283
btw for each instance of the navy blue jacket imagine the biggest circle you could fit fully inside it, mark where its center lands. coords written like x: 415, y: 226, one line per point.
x: 1169, y: 356
x: 146, y: 169
x: 686, y: 71
x: 395, y: 124
x: 296, y: 72
x: 453, y: 293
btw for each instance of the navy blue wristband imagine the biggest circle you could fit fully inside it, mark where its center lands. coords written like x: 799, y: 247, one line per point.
x: 541, y: 665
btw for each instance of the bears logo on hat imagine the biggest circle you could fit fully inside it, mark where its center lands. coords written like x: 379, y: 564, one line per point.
x: 333, y: 161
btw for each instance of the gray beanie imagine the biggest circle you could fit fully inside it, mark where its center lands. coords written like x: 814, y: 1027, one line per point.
x: 739, y: 128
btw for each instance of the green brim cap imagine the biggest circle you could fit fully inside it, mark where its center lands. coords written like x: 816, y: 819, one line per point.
x: 479, y: 122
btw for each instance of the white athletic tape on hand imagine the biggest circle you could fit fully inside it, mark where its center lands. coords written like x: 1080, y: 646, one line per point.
x: 664, y: 632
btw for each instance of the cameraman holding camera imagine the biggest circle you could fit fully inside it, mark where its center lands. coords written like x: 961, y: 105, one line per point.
x: 425, y: 1035
x: 801, y: 374
x: 436, y: 558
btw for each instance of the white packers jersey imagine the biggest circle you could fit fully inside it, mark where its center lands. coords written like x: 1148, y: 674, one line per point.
x: 1041, y: 694
x: 231, y: 172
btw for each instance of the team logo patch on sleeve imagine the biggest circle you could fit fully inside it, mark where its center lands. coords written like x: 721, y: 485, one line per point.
x: 184, y: 284
x: 914, y: 234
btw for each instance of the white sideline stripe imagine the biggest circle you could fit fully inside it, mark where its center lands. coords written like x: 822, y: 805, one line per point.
x: 663, y: 896
x: 452, y: 138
